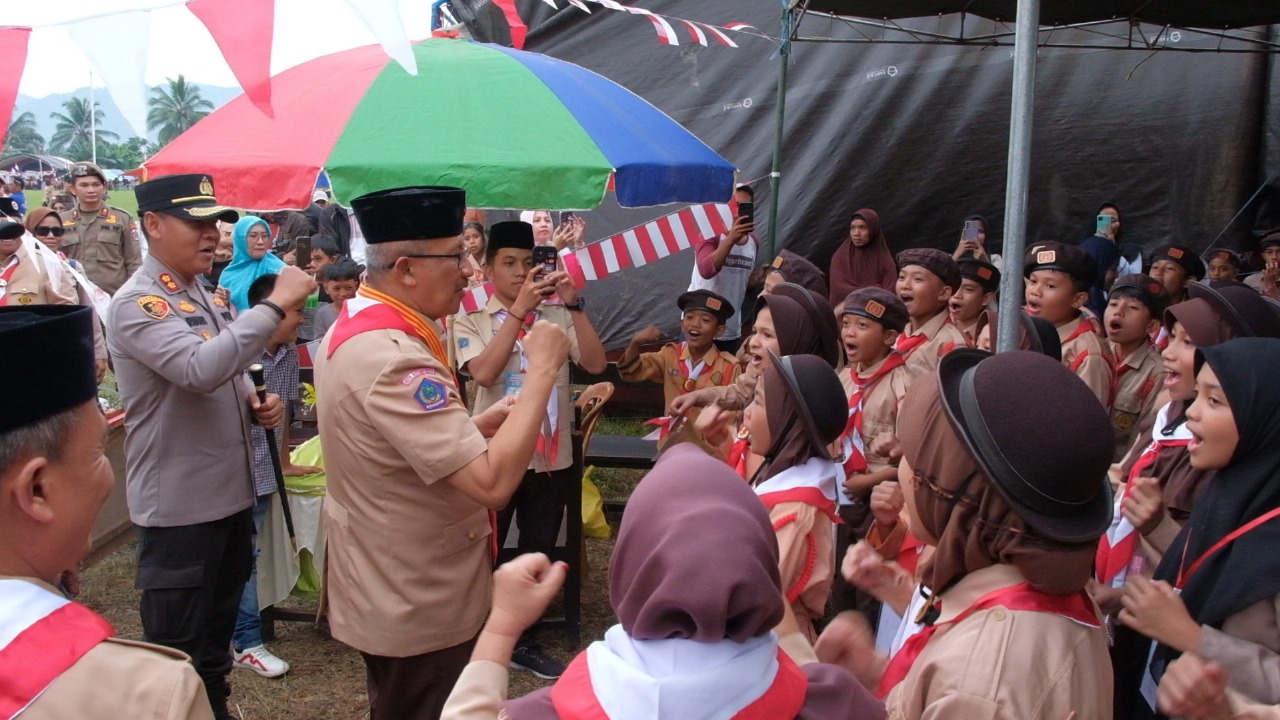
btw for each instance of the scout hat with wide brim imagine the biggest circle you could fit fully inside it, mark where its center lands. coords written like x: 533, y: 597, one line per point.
x: 186, y: 196
x: 1054, y: 474
x: 819, y: 397
x: 1240, y: 306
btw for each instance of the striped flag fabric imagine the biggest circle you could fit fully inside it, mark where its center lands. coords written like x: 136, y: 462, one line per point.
x: 635, y: 247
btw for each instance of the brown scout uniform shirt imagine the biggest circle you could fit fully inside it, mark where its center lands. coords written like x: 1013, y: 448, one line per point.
x: 1001, y: 663
x: 472, y: 334
x: 124, y: 679
x: 1139, y: 378
x: 29, y: 285
x: 1085, y: 355
x: 180, y: 362
x: 943, y: 337
x: 879, y: 406
x: 666, y: 366
x: 106, y: 243
x: 408, y: 567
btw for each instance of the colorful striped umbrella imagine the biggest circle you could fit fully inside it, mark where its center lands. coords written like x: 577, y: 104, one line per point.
x: 514, y: 129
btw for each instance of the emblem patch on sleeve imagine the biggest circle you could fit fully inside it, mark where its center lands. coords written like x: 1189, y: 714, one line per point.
x: 464, y: 343
x: 431, y: 394
x: 154, y: 307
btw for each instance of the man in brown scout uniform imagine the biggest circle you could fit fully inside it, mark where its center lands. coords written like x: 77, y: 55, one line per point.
x: 180, y: 356
x: 53, y: 480
x: 103, y: 238
x: 411, y: 480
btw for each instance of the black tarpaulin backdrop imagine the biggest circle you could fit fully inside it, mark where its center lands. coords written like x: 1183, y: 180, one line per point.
x: 920, y: 133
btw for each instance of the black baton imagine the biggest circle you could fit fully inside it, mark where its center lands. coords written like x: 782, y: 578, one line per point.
x: 260, y: 384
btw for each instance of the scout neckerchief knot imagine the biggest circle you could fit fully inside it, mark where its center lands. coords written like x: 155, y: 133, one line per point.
x: 549, y: 436
x: 1116, y: 556
x: 688, y: 369
x: 851, y: 442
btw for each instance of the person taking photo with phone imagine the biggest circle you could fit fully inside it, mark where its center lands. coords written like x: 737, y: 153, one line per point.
x: 724, y: 264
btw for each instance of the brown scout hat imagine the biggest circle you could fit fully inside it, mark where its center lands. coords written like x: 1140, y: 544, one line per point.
x: 981, y: 272
x: 1240, y: 306
x: 797, y: 269
x: 1064, y: 258
x: 706, y: 301
x: 1146, y: 289
x: 935, y: 261
x: 1181, y: 255
x: 877, y: 304
x: 1271, y: 239
x: 1052, y: 471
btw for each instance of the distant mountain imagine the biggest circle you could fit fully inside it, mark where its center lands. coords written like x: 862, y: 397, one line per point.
x: 113, y: 121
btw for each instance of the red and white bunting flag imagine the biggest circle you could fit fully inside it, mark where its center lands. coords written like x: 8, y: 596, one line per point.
x: 718, y: 34
x: 519, y: 31
x: 552, y: 3
x: 696, y: 32
x: 666, y: 33
x: 243, y: 31
x: 635, y: 247
x: 580, y: 5
x: 13, y: 57
x: 741, y: 27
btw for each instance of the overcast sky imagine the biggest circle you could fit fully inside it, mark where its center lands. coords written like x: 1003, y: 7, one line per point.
x: 179, y: 43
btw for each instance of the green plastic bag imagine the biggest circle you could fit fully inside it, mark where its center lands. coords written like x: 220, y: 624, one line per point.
x: 308, y: 453
x: 594, y: 523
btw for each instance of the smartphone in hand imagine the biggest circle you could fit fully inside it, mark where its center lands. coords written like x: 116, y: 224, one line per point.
x: 970, y: 232
x: 1104, y: 225
x: 747, y: 210
x: 545, y: 258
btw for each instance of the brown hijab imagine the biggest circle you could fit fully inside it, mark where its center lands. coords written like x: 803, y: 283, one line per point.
x: 871, y: 265
x: 802, y: 427
x: 974, y: 525
x: 37, y: 215
x: 697, y: 558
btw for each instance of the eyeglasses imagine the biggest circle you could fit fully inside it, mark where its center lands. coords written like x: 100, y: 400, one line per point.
x: 54, y: 231
x: 459, y: 258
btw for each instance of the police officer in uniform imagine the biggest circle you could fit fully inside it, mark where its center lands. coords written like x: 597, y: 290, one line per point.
x: 411, y: 479
x: 102, y: 237
x: 54, y: 478
x: 180, y: 355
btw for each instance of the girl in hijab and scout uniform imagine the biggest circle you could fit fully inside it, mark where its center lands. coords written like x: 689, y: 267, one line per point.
x: 1217, y: 590
x: 694, y: 582
x: 863, y: 260
x: 250, y: 260
x: 1162, y: 486
x: 1000, y: 626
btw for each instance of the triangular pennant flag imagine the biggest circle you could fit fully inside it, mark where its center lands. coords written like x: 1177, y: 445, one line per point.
x: 580, y: 5
x: 243, y: 30
x: 552, y: 3
x: 518, y: 29
x: 382, y: 17
x: 13, y: 57
x: 116, y: 45
x: 718, y: 34
x: 696, y: 32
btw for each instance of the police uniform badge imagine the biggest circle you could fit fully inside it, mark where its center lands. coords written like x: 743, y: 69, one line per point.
x: 206, y: 186
x: 169, y: 283
x: 186, y: 306
x: 154, y: 307
x: 217, y: 300
x: 206, y: 335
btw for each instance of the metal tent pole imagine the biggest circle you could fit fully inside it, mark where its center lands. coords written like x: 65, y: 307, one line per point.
x: 775, y: 177
x: 1016, y: 188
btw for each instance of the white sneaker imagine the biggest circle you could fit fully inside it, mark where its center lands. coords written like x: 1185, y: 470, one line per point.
x: 260, y: 660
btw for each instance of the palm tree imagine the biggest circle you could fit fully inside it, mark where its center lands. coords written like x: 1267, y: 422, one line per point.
x: 73, y: 135
x: 23, y: 137
x: 174, y: 109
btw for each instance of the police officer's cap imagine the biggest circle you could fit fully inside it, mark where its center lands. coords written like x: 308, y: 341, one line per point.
x: 410, y: 213
x: 54, y: 346
x: 87, y: 169
x: 186, y: 196
x: 706, y: 301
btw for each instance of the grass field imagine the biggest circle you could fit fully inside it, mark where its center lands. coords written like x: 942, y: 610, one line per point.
x: 124, y: 200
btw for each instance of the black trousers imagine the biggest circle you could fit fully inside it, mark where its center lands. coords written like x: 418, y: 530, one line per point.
x: 414, y: 687
x: 191, y: 578
x: 538, y: 505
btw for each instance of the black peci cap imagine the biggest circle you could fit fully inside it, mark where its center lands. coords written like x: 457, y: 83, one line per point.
x: 411, y: 213
x: 54, y: 345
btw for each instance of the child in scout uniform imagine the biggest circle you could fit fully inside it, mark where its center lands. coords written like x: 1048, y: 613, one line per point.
x: 797, y: 413
x: 1134, y: 312
x: 1058, y: 278
x: 1176, y: 266
x: 1223, y: 264
x: 691, y: 364
x: 979, y: 281
x: 1012, y: 503
x: 874, y: 381
x: 490, y: 349
x: 927, y: 279
x: 1266, y: 280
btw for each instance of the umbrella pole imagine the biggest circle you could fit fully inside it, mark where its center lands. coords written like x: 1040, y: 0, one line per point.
x: 775, y: 177
x: 1019, y: 177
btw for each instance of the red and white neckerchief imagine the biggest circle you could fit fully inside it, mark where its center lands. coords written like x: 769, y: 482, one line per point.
x: 42, y: 634
x: 7, y: 274
x: 1077, y: 607
x: 812, y: 483
x: 1117, y: 550
x: 549, y: 438
x: 851, y: 443
x: 908, y: 344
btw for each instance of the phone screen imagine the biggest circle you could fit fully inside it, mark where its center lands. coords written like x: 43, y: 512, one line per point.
x: 1104, y: 224
x: 747, y: 210
x: 567, y: 217
x: 302, y: 252
x: 971, y: 228
x: 545, y: 256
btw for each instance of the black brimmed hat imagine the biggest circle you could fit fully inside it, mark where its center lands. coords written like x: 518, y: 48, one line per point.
x: 54, y: 346
x: 1240, y: 306
x: 1054, y: 474
x: 935, y: 261
x: 185, y: 196
x: 1182, y: 256
x: 877, y: 304
x: 706, y: 301
x: 818, y: 393
x: 11, y: 230
x: 411, y: 213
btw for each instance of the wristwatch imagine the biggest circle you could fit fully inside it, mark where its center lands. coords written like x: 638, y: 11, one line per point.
x: 577, y: 306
